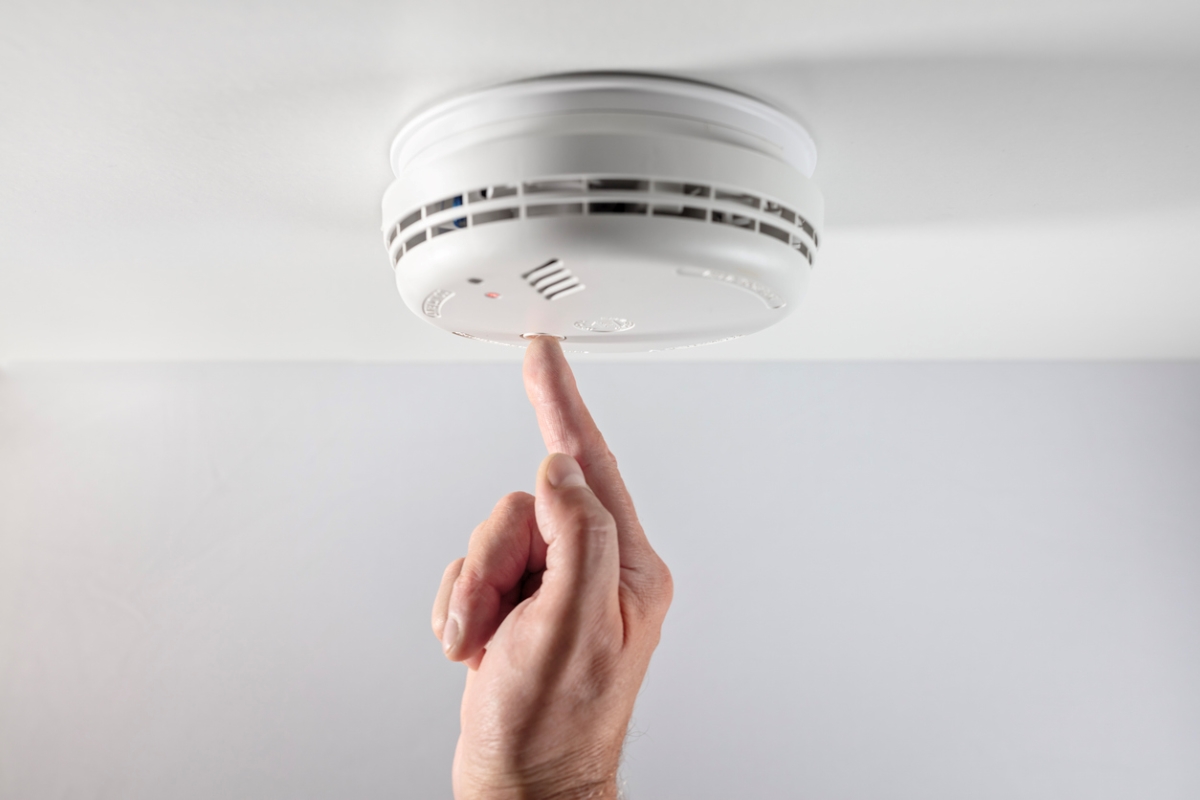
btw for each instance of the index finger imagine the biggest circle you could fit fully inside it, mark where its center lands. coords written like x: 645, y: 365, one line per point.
x: 568, y: 427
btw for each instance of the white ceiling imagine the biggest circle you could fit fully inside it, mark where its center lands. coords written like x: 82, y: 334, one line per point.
x: 1016, y: 180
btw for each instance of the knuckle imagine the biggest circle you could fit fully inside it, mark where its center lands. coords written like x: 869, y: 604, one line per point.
x: 586, y: 515
x: 468, y: 581
x: 654, y: 591
x: 511, y: 505
x: 452, y: 568
x: 664, y: 577
x: 513, y: 502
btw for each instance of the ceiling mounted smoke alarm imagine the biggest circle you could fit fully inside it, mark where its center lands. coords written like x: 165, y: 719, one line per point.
x: 614, y: 212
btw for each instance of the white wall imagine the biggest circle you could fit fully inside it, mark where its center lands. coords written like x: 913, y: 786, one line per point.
x: 893, y: 581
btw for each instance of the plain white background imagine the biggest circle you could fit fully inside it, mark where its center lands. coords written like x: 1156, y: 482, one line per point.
x: 894, y: 581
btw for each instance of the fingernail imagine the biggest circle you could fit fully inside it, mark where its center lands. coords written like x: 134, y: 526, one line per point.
x: 449, y: 634
x: 564, y: 471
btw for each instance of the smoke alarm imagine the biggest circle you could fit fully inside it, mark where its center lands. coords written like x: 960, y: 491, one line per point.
x: 614, y: 212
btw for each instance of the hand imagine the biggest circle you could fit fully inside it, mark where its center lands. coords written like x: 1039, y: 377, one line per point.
x: 555, y: 610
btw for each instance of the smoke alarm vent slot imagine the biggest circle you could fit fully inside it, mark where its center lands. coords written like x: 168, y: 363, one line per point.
x: 617, y: 185
x: 442, y: 205
x: 554, y: 209
x: 494, y: 216
x: 410, y: 219
x: 564, y: 289
x: 546, y: 285
x: 446, y: 227
x: 738, y: 197
x: 553, y: 280
x: 491, y: 193
x: 414, y: 241
x: 553, y: 265
x: 778, y: 233
x: 812, y: 234
x: 737, y: 220
x: 688, y: 189
x: 617, y: 208
x: 686, y: 212
x: 566, y: 185
x: 803, y: 248
x: 781, y: 211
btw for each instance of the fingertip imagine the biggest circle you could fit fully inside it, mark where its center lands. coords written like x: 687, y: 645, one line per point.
x: 441, y: 603
x: 451, y: 634
x: 546, y: 369
x: 513, y: 506
x: 453, y: 569
x: 563, y: 471
x: 543, y: 351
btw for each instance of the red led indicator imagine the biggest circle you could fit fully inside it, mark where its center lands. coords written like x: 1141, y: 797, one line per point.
x: 492, y: 295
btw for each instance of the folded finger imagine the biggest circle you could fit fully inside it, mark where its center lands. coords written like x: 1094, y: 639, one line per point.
x: 502, y: 551
x: 441, y: 604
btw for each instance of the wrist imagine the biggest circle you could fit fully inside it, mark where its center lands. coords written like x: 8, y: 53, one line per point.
x: 566, y: 782
x: 527, y: 764
x: 567, y: 790
x: 604, y: 790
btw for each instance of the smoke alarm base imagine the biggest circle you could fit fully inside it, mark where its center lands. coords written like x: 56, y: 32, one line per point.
x: 618, y: 213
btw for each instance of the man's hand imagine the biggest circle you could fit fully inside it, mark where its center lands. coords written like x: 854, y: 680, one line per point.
x: 555, y: 611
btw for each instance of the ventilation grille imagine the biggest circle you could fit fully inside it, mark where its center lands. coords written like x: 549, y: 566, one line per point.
x: 553, y: 280
x: 585, y: 196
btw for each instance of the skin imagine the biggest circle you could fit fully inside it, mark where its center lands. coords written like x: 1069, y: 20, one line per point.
x: 555, y: 610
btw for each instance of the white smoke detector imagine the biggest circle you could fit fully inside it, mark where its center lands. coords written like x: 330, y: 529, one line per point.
x: 615, y: 212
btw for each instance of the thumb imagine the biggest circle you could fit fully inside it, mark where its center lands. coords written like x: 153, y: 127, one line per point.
x: 583, y: 564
